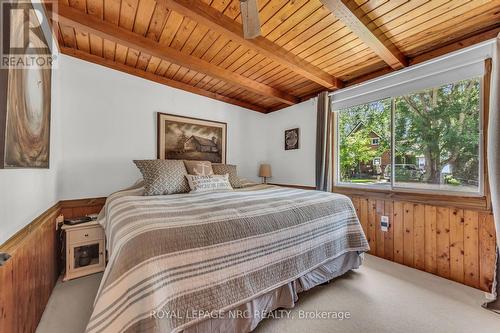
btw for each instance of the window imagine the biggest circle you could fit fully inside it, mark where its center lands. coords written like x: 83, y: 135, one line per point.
x: 426, y: 140
x: 357, y: 126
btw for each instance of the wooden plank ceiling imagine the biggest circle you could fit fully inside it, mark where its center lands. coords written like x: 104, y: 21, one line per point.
x: 306, y: 46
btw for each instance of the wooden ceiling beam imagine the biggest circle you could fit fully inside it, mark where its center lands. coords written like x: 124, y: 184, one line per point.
x: 156, y: 78
x: 91, y: 24
x: 356, y: 20
x: 217, y: 21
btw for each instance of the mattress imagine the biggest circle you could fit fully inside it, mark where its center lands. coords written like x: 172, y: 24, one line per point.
x: 179, y: 261
x: 246, y: 317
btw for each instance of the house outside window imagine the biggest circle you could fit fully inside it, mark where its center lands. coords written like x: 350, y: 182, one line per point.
x: 427, y: 140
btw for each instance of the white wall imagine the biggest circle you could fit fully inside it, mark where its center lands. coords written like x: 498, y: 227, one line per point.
x: 292, y: 167
x: 109, y: 118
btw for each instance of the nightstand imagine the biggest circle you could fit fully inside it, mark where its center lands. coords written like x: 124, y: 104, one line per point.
x: 85, y: 251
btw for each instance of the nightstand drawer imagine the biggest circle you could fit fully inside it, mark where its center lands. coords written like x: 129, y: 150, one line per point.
x: 85, y: 235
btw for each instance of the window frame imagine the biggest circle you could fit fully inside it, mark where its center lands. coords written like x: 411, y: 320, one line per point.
x: 392, y: 190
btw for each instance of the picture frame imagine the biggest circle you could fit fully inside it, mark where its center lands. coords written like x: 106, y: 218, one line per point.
x: 25, y: 101
x: 188, y: 138
x: 292, y: 138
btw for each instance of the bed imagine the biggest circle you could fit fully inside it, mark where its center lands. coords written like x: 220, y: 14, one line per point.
x: 219, y: 261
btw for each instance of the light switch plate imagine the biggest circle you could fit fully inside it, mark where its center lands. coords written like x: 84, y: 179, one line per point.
x: 384, y: 223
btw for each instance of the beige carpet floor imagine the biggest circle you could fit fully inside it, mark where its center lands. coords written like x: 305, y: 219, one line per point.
x: 380, y: 297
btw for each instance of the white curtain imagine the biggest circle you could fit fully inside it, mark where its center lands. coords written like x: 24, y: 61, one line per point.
x: 494, y: 164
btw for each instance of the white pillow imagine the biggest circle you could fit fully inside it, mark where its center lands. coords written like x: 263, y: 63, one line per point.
x: 209, y: 183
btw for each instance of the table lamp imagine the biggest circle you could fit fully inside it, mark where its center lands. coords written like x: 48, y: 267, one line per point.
x: 265, y: 172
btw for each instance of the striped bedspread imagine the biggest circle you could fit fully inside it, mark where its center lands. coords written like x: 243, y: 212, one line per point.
x: 175, y: 260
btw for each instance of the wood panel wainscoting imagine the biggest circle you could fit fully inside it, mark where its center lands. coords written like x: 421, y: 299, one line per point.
x: 29, y: 276
x: 451, y: 238
x: 81, y: 207
x: 454, y: 243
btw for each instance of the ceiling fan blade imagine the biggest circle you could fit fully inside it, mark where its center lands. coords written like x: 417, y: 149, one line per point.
x: 250, y: 18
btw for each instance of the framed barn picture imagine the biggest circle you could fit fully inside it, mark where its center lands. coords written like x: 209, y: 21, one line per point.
x: 185, y: 138
x: 292, y: 139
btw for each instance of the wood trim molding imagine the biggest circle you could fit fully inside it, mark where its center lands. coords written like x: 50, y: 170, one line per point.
x: 452, y: 201
x: 91, y: 24
x: 302, y: 187
x: 217, y: 21
x: 472, y: 203
x: 81, y: 207
x: 14, y: 242
x: 356, y: 20
x: 156, y: 78
x: 78, y: 203
x: 488, y: 64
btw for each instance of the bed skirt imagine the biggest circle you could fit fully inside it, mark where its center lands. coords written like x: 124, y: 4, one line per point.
x: 246, y: 317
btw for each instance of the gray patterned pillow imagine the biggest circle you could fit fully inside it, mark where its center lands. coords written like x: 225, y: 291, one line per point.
x: 222, y: 169
x: 163, y: 176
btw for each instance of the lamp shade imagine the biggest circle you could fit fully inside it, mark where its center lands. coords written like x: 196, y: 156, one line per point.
x: 265, y: 170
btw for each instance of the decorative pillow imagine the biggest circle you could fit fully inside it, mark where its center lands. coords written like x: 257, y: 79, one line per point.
x: 209, y: 183
x: 163, y: 176
x: 222, y: 169
x: 199, y: 168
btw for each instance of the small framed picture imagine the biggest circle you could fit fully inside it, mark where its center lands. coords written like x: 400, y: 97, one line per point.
x: 292, y: 139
